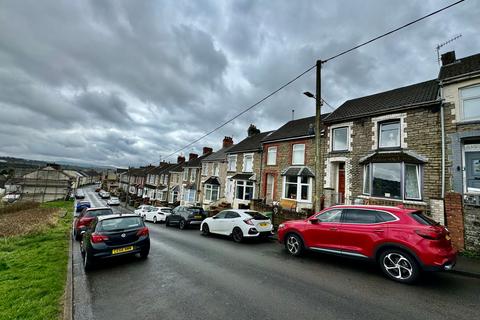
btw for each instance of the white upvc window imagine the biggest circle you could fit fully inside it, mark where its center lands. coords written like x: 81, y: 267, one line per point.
x: 340, y: 139
x: 248, y: 162
x: 244, y: 190
x: 204, y: 169
x: 298, y: 154
x: 272, y: 156
x: 232, y: 162
x: 297, y: 188
x: 389, y: 134
x: 216, y: 169
x: 211, y: 192
x: 165, y: 179
x: 193, y: 174
x: 185, y: 174
x: 189, y: 195
x: 470, y: 103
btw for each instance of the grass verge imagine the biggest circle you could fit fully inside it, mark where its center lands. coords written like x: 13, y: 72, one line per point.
x: 33, y: 269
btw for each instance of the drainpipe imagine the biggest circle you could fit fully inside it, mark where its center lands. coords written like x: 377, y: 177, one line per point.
x: 442, y: 124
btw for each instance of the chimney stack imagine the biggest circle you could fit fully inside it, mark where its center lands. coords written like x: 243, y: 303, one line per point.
x: 252, y: 130
x: 448, y: 57
x: 192, y: 156
x: 207, y: 150
x: 227, y: 142
x: 180, y: 159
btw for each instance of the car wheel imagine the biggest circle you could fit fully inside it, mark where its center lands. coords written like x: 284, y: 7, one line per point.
x: 399, y: 266
x: 182, y: 224
x: 154, y: 219
x: 167, y: 223
x: 87, y: 261
x: 144, y: 253
x: 237, y: 235
x: 77, y: 236
x: 294, y: 244
x: 205, y: 229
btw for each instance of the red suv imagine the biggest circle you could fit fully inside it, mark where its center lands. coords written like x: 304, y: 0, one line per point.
x: 403, y: 241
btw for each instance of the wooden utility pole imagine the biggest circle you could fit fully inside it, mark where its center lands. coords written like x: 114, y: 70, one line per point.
x: 318, y: 115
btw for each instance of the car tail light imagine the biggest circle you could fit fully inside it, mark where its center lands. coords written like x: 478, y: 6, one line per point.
x: 142, y: 232
x: 248, y: 221
x: 432, y: 234
x: 96, y: 238
x: 84, y: 222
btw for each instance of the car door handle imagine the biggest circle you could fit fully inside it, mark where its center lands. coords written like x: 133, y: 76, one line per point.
x: 378, y: 230
x: 333, y: 229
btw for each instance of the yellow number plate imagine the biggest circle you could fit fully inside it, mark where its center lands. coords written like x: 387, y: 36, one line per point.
x: 198, y: 217
x: 121, y: 250
x: 263, y: 224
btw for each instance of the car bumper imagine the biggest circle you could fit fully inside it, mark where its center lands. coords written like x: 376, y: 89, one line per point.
x: 107, y: 252
x: 252, y: 232
x: 195, y: 222
x: 442, y: 263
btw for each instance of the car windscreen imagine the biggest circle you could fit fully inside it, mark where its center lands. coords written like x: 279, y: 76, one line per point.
x: 423, y: 219
x: 99, y: 212
x: 195, y: 210
x: 121, y: 223
x: 256, y: 215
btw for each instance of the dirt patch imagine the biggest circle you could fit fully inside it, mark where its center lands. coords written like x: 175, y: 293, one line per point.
x: 27, y: 221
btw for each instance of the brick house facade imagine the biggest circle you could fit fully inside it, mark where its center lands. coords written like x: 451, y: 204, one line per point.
x: 385, y: 149
x: 190, y: 188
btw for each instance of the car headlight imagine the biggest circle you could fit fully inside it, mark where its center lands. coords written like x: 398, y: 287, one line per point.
x: 281, y: 225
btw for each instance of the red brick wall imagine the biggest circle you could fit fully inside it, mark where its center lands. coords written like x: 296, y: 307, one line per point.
x: 454, y: 222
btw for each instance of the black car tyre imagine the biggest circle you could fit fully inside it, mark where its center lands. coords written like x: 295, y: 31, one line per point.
x: 154, y: 219
x: 77, y: 236
x: 182, y: 224
x: 237, y: 235
x: 294, y: 244
x: 87, y: 261
x: 399, y: 266
x: 205, y: 230
x: 167, y: 222
x: 144, y: 253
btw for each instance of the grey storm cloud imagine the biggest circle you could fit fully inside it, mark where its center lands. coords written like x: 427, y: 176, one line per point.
x: 127, y: 82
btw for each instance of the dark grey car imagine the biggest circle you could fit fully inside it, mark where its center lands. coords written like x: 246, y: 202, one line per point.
x: 184, y: 216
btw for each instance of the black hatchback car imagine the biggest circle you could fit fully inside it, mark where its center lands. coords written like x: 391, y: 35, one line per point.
x: 112, y: 236
x: 184, y: 216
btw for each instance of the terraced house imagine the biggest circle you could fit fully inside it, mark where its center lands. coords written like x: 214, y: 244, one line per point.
x: 244, y: 167
x: 175, y: 178
x: 385, y: 148
x: 191, y: 178
x: 289, y: 165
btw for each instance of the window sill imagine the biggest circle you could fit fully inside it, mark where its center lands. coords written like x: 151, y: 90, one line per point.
x: 339, y: 152
x: 414, y: 202
x: 465, y: 122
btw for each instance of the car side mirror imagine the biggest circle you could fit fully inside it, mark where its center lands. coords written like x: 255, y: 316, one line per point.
x: 314, y: 221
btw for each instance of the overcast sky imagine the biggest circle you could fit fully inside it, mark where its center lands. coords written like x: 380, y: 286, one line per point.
x: 125, y: 82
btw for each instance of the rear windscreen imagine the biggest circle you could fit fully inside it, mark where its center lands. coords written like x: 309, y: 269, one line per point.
x: 256, y: 215
x: 99, y: 212
x: 423, y: 219
x: 121, y: 223
x: 195, y: 210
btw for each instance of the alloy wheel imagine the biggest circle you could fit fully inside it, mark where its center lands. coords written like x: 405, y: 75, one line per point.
x: 398, y: 266
x: 237, y: 235
x: 293, y: 245
x: 154, y: 219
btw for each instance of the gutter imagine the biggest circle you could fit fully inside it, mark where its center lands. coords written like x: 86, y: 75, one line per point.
x: 459, y: 78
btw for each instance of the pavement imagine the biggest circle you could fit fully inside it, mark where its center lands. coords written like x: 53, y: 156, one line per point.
x: 188, y: 276
x: 467, y: 266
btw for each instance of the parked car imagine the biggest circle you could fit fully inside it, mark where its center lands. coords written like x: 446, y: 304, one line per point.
x: 157, y: 214
x: 184, y: 216
x: 98, y: 189
x: 144, y: 208
x: 112, y: 236
x: 80, y: 205
x: 79, y: 194
x: 403, y: 242
x: 238, y: 224
x: 104, y: 194
x: 11, y: 197
x: 113, y: 201
x: 85, y: 218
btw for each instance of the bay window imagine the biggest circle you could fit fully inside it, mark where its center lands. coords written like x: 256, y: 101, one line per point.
x: 389, y: 134
x: 340, y: 139
x: 298, y: 154
x: 244, y: 190
x: 272, y: 156
x: 297, y: 188
x: 393, y: 180
x: 470, y: 103
x: 211, y: 192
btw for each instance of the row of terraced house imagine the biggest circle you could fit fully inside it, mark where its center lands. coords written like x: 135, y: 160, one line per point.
x: 416, y: 146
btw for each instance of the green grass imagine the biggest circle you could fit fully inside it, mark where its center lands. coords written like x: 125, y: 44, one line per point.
x: 33, y: 270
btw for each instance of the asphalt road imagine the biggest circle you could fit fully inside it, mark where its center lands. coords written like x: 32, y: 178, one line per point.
x: 188, y: 276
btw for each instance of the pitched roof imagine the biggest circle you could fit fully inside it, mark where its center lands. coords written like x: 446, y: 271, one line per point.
x: 294, y: 129
x: 401, y: 98
x: 218, y: 155
x: 252, y: 143
x: 460, y: 67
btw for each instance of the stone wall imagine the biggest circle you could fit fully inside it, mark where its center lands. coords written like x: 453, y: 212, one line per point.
x: 472, y: 228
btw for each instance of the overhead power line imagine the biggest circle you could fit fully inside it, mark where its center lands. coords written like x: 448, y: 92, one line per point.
x: 310, y: 69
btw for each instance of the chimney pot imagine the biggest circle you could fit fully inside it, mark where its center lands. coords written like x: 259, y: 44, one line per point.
x: 180, y: 159
x: 192, y: 156
x: 227, y: 142
x: 448, y: 57
x: 207, y: 150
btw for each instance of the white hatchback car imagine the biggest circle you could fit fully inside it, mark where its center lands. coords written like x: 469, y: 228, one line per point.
x: 144, y: 208
x: 157, y: 214
x: 238, y: 223
x: 113, y: 201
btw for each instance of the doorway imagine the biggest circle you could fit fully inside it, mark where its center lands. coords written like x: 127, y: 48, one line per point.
x: 270, y: 188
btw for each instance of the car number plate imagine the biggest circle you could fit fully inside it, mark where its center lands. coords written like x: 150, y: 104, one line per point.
x: 198, y: 217
x: 447, y: 237
x: 121, y: 250
x: 263, y: 224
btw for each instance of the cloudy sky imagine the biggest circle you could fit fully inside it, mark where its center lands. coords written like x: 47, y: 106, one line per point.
x: 127, y: 82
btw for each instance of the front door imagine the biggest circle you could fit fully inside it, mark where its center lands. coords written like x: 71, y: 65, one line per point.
x: 270, y: 185
x: 341, y: 183
x: 472, y: 168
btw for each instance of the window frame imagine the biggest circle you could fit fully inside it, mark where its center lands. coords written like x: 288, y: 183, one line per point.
x: 243, y: 184
x: 346, y: 142
x: 232, y: 159
x: 245, y: 156
x: 185, y: 174
x: 379, y: 133
x: 270, y: 161
x: 209, y: 188
x: 303, y: 154
x: 193, y: 174
x: 462, y: 99
x: 299, y: 185
x: 215, y: 169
